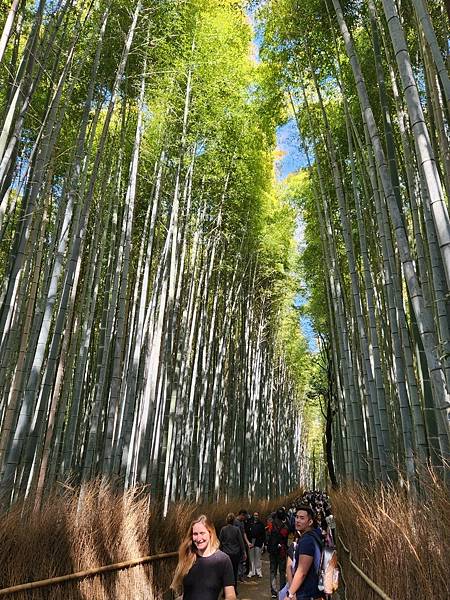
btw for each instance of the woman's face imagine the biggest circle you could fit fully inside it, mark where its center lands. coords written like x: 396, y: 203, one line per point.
x: 200, y: 537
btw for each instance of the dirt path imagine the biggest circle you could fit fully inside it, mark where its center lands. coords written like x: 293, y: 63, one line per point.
x: 259, y: 589
x: 256, y: 588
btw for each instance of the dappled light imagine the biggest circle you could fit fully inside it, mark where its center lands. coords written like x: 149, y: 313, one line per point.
x: 224, y: 276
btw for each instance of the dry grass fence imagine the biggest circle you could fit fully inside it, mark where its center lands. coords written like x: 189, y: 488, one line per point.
x: 109, y: 528
x: 401, y: 544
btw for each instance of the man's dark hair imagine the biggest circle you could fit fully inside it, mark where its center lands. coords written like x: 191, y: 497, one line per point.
x: 308, y: 509
x: 242, y: 511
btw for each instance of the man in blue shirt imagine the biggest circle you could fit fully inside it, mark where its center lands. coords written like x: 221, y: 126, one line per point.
x: 304, y: 584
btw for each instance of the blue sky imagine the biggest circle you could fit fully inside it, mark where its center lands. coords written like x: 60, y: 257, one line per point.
x: 288, y: 142
x: 291, y: 159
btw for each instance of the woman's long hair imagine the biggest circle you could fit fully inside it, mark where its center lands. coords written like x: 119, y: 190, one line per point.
x: 187, y: 552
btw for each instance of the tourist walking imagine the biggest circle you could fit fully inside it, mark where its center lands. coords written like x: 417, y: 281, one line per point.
x: 290, y: 564
x: 304, y: 584
x: 277, y: 541
x: 232, y: 543
x: 203, y: 571
x: 240, y: 522
x: 257, y: 537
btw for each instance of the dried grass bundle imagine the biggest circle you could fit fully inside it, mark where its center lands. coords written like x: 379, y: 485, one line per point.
x: 400, y: 542
x: 80, y: 529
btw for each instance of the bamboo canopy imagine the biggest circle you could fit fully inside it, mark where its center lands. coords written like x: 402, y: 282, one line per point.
x: 151, y: 280
x: 143, y: 303
x: 366, y: 88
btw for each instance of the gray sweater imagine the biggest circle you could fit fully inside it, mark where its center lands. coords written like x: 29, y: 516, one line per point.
x: 231, y: 541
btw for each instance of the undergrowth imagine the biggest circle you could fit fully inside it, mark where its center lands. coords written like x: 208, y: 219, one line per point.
x: 70, y: 535
x: 399, y: 542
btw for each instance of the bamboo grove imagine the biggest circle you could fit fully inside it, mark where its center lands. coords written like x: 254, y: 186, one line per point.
x: 367, y: 83
x: 144, y: 256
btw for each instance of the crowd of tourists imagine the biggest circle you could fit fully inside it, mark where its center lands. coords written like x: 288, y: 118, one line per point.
x: 293, y: 537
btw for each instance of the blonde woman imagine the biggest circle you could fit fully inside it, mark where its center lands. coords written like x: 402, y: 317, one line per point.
x: 203, y: 571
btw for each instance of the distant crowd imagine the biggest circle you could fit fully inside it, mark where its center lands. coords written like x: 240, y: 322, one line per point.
x: 293, y: 537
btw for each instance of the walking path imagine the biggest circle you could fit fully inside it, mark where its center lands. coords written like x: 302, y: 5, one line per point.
x: 256, y: 588
x: 259, y: 589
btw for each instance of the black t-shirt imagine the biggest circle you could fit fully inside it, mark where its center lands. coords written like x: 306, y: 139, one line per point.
x: 257, y: 533
x: 208, y: 576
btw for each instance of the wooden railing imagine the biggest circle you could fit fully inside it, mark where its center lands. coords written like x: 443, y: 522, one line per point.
x: 83, y: 574
x: 147, y: 559
x: 363, y: 575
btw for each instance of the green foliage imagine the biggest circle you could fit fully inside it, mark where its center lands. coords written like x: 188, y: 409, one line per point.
x: 192, y: 209
x: 301, y: 190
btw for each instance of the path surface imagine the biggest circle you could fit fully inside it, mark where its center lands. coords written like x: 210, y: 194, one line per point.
x: 259, y: 589
x: 256, y: 588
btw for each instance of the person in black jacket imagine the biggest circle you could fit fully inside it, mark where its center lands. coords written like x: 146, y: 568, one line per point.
x: 277, y: 542
x: 240, y: 522
x: 232, y: 543
x: 257, y: 537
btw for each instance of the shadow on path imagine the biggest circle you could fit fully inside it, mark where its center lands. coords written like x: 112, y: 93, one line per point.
x: 256, y: 588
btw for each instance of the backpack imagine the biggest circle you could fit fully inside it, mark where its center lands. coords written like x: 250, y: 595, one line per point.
x: 326, y: 565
